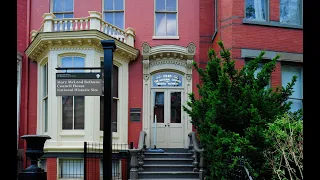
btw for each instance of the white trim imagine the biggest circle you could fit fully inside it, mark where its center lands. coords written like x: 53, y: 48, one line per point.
x: 165, y: 37
x: 182, y: 66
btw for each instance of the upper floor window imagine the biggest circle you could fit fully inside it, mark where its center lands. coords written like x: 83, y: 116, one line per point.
x: 63, y: 8
x: 113, y: 12
x: 72, y: 106
x: 45, y: 96
x: 256, y: 9
x: 290, y: 11
x: 297, y: 96
x: 115, y: 101
x: 166, y: 18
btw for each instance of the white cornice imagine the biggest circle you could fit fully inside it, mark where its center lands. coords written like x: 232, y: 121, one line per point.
x: 81, y: 40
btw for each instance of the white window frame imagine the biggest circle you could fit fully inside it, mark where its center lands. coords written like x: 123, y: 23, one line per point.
x: 116, y: 98
x: 267, y: 13
x: 166, y: 12
x: 114, y: 11
x: 61, y: 105
x: 294, y: 66
x: 59, y: 162
x: 300, y: 13
x: 62, y: 12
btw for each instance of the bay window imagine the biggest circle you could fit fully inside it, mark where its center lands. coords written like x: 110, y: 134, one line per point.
x: 73, y: 106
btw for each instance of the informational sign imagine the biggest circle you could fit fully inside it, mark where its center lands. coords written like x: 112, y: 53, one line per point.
x: 78, y: 84
x: 167, y: 79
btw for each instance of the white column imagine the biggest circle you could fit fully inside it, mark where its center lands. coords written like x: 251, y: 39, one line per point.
x: 48, y: 22
x: 95, y: 20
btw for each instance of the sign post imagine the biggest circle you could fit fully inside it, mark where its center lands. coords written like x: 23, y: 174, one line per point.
x: 108, y: 47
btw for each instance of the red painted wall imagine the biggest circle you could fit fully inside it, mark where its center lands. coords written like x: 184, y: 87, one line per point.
x: 52, y: 169
x: 142, y: 21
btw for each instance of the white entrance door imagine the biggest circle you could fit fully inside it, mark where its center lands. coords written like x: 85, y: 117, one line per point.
x: 167, y: 107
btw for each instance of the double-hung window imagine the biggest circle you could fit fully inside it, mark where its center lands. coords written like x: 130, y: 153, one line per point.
x: 166, y: 18
x: 115, y: 100
x: 45, y: 96
x: 291, y: 11
x: 256, y: 9
x: 297, y: 96
x: 73, y: 106
x: 71, y: 168
x: 63, y: 8
x: 113, y: 12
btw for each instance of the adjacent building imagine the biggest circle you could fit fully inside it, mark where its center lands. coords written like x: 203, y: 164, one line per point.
x: 157, y: 41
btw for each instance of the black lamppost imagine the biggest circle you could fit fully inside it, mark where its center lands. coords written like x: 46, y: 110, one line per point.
x: 34, y: 151
x: 108, y: 47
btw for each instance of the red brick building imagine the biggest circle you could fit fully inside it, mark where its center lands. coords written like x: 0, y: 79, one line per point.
x: 157, y: 41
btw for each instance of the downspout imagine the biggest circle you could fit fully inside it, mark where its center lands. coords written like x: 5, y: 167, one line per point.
x: 215, y: 20
x: 19, y: 61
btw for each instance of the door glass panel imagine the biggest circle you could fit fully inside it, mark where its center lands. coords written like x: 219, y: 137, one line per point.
x: 158, y: 109
x: 175, y: 104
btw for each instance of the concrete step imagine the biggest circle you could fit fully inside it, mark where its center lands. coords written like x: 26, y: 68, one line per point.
x: 168, y: 155
x: 167, y: 167
x: 167, y: 160
x: 176, y: 150
x: 169, y: 174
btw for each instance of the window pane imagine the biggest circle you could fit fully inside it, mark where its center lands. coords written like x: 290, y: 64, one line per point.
x: 115, y: 82
x: 108, y: 4
x: 78, y: 112
x: 175, y: 107
x: 45, y: 80
x: 171, y: 25
x: 68, y: 6
x: 171, y: 5
x: 287, y: 75
x: 159, y: 107
x: 256, y: 9
x: 118, y: 19
x: 66, y: 62
x: 57, y: 5
x: 109, y: 17
x: 58, y: 16
x: 67, y: 112
x: 160, y: 5
x: 101, y: 113
x: 45, y: 104
x: 115, y: 168
x: 68, y: 15
x: 78, y: 62
x: 290, y: 11
x: 71, y: 168
x: 114, y: 115
x: 296, y: 105
x: 160, y: 24
x: 118, y: 4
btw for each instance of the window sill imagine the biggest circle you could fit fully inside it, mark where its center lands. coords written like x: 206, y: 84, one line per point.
x: 115, y: 135
x: 270, y: 23
x: 165, y: 37
x: 72, y: 133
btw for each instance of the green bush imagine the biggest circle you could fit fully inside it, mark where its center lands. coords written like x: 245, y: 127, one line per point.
x: 285, y: 155
x: 233, y: 111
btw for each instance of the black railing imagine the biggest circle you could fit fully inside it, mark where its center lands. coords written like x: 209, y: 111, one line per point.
x: 93, y: 161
